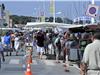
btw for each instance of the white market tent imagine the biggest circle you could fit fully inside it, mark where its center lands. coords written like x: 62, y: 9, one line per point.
x: 13, y: 29
x: 50, y: 24
x: 43, y: 25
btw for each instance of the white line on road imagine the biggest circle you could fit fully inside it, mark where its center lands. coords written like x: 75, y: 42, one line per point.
x: 14, y: 61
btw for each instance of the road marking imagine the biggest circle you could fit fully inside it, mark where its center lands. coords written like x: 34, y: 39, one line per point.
x: 14, y: 61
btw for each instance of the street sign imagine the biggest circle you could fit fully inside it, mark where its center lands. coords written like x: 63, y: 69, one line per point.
x: 92, y: 10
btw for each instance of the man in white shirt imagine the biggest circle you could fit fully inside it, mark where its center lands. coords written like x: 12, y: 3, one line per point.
x: 91, y: 57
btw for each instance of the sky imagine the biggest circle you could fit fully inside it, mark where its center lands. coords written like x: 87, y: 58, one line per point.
x: 64, y: 8
x: 47, y: 0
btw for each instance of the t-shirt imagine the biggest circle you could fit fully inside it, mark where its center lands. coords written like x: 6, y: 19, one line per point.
x: 57, y: 42
x: 40, y: 39
x: 92, y: 55
x: 7, y: 39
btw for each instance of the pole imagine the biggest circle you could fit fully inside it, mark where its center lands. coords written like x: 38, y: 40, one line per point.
x: 44, y: 11
x: 92, y: 19
x: 53, y: 11
x: 0, y: 15
x: 2, y: 19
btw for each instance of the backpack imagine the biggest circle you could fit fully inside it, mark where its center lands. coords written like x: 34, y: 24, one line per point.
x: 57, y: 42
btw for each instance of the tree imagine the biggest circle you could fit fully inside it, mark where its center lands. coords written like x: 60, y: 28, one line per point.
x: 47, y: 19
x: 59, y: 20
x: 5, y: 24
x: 21, y: 19
x: 51, y: 19
x: 67, y: 20
x: 24, y: 19
x: 80, y: 22
x: 3, y: 6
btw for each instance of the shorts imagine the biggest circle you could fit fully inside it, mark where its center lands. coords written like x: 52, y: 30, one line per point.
x: 40, y: 49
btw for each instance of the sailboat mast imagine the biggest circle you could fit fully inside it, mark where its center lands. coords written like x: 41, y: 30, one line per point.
x: 92, y: 19
x: 54, y: 11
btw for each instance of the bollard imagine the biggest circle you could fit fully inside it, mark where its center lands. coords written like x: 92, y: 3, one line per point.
x: 28, y: 60
x: 28, y: 70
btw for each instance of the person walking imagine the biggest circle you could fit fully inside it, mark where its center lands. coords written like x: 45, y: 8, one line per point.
x: 12, y: 40
x: 40, y: 43
x: 16, y: 44
x: 91, y: 58
x: 7, y: 43
x: 63, y: 42
x: 57, y: 44
x: 66, y: 51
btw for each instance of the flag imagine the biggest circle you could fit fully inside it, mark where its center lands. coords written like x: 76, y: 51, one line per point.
x: 52, y: 7
x: 92, y: 10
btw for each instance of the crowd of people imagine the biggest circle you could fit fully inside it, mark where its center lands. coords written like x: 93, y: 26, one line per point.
x: 82, y: 48
x: 10, y: 42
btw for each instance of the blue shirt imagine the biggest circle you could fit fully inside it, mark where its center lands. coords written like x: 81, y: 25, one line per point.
x: 7, y: 40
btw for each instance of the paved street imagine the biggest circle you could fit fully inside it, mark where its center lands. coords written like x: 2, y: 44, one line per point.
x: 14, y: 66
